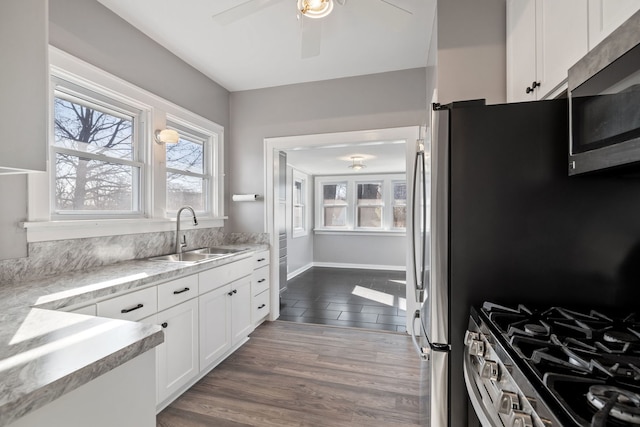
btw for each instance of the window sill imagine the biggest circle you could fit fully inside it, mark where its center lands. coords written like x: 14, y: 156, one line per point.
x: 43, y: 231
x: 361, y: 232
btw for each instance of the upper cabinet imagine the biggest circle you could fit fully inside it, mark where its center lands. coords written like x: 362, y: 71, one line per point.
x: 607, y: 15
x: 544, y: 39
x: 24, y: 80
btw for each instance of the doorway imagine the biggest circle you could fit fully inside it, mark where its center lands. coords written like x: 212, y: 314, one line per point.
x: 399, y: 275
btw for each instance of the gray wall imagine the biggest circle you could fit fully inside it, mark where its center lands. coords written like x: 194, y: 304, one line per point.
x: 91, y: 32
x: 375, y: 101
x: 472, y: 50
x: 380, y: 251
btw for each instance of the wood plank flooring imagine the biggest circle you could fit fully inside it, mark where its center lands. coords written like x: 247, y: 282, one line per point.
x: 292, y: 374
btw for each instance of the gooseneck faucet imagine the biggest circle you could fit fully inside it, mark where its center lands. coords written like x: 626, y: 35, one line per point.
x: 180, y: 245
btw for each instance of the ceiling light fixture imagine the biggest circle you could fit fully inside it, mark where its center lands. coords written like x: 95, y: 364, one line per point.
x: 166, y: 136
x: 315, y: 8
x: 356, y: 163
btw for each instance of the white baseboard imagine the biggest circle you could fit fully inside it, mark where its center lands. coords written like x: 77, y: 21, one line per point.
x: 299, y: 271
x: 361, y: 266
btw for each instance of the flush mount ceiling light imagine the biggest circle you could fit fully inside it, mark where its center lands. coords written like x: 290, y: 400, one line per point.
x: 315, y: 8
x: 356, y: 163
x: 166, y: 136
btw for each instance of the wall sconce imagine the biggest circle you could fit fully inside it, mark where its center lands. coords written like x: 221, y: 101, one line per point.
x: 356, y: 163
x: 166, y: 136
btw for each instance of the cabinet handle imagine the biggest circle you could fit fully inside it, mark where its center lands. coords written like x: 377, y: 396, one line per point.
x: 235, y: 291
x: 129, y: 310
x: 164, y: 325
x: 261, y: 259
x: 261, y: 280
x: 181, y: 291
x: 230, y: 293
x: 533, y: 86
x: 262, y: 306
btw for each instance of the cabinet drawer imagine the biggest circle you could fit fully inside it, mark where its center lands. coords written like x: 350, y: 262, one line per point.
x: 260, y: 280
x: 260, y: 259
x: 218, y: 276
x: 133, y: 306
x: 260, y: 306
x: 177, y: 291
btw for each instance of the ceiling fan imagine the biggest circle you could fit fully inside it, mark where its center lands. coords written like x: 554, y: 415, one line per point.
x: 309, y: 14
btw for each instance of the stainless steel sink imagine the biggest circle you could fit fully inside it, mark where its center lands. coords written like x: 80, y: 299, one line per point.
x: 198, y: 255
x: 185, y: 257
x: 217, y: 251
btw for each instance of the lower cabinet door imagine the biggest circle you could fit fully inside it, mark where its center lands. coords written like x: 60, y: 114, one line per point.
x: 178, y: 355
x: 241, y: 324
x: 215, y: 327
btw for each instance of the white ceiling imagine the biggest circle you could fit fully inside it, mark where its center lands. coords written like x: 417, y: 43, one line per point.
x: 378, y: 157
x: 263, y: 49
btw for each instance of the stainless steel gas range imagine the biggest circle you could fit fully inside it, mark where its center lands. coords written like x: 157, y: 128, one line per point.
x: 550, y: 367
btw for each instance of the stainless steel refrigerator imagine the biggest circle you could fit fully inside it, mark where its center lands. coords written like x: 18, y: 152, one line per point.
x: 507, y: 224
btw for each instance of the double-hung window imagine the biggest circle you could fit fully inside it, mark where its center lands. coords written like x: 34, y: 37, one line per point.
x: 97, y: 156
x: 189, y: 171
x: 362, y: 203
x: 299, y: 208
x: 334, y: 205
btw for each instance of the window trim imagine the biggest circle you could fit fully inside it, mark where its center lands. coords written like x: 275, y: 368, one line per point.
x: 305, y: 203
x: 352, y: 181
x: 41, y: 226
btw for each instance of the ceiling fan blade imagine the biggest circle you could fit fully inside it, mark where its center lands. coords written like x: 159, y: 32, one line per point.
x: 242, y: 10
x: 397, y: 7
x: 311, y: 37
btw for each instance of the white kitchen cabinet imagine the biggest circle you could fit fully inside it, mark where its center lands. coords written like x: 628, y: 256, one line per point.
x: 225, y: 320
x: 260, y: 289
x: 544, y: 39
x: 177, y: 357
x: 132, y: 306
x: 215, y: 325
x: 241, y: 325
x: 24, y: 33
x: 607, y: 15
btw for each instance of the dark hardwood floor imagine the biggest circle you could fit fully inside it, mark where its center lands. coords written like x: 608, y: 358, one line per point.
x: 293, y: 374
x: 357, y: 298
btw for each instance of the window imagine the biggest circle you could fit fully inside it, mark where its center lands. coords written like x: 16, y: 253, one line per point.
x: 96, y: 155
x: 399, y: 204
x: 334, y: 205
x: 188, y: 178
x: 105, y: 166
x: 367, y: 203
x: 299, y: 221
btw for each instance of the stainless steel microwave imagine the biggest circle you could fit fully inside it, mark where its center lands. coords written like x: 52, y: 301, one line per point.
x: 604, y: 103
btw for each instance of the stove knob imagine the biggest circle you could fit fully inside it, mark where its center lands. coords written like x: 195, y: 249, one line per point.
x: 520, y: 419
x: 476, y: 348
x: 509, y: 402
x: 470, y: 336
x: 489, y: 370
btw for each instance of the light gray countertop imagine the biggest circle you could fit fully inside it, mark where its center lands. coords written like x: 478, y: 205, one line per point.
x: 46, y: 353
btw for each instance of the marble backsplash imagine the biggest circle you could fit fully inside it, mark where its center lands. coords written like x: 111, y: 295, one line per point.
x: 61, y: 256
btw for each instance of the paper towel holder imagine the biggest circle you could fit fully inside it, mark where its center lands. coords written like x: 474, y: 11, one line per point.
x: 245, y: 197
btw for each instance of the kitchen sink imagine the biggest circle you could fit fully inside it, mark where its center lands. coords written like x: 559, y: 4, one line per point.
x: 198, y: 255
x: 185, y: 257
x: 215, y: 250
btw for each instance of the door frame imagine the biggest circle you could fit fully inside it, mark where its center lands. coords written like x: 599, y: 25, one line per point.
x: 409, y: 134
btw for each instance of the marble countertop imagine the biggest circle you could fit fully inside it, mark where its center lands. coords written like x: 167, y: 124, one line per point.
x: 45, y: 353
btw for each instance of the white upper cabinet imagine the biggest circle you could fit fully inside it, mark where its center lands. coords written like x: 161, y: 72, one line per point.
x: 607, y: 15
x: 544, y: 39
x: 24, y: 85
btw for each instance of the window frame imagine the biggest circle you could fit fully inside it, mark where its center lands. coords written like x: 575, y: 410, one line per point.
x: 303, y: 178
x: 107, y: 102
x: 41, y: 225
x: 352, y: 204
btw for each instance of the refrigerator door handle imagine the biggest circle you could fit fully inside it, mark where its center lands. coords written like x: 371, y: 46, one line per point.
x: 424, y: 352
x: 418, y: 275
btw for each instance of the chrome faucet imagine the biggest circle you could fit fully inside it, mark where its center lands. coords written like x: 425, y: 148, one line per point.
x: 181, y: 245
